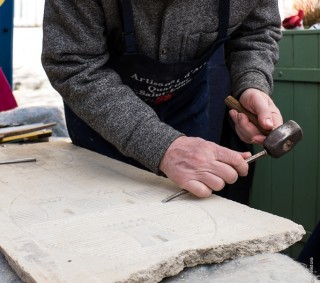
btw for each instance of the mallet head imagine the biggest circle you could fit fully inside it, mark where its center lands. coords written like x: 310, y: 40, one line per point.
x: 282, y: 139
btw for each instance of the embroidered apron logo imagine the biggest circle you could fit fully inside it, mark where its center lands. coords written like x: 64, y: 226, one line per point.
x: 155, y: 82
x: 156, y: 89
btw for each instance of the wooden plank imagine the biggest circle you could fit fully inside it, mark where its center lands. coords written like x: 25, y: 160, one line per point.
x: 286, y: 53
x: 306, y: 155
x: 296, y: 193
x: 76, y: 216
x: 297, y: 74
x: 282, y: 168
x: 19, y: 130
x: 260, y: 196
x: 306, y: 51
x: 299, y: 49
x: 33, y: 136
x: 318, y: 176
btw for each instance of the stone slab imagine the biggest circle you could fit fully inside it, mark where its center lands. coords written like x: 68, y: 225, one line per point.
x: 270, y: 267
x: 76, y: 216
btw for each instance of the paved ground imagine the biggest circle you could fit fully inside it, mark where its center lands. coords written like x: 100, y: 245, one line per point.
x: 30, y: 84
x: 37, y: 100
x: 7, y: 275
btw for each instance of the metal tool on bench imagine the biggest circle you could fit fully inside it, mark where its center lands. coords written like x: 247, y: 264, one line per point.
x: 22, y: 160
x: 277, y: 143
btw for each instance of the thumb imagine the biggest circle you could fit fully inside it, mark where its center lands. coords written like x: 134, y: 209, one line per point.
x: 263, y: 108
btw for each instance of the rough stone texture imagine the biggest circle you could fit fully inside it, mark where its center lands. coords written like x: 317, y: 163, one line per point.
x: 76, y: 216
x: 262, y: 268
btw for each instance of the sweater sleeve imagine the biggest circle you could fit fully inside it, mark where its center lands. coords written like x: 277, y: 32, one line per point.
x: 74, y: 56
x: 253, y: 50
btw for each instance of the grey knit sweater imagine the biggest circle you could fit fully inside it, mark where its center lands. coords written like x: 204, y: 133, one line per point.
x: 81, y: 35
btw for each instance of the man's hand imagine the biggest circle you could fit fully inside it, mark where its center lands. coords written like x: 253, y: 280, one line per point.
x: 201, y: 167
x: 259, y: 103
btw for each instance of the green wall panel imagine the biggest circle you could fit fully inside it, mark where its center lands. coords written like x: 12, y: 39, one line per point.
x: 306, y: 155
x: 261, y: 192
x: 306, y: 51
x: 289, y: 186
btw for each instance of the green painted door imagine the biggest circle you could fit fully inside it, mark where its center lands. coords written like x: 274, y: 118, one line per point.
x: 289, y: 186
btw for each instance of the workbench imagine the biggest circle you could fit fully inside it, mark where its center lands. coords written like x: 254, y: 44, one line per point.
x: 77, y: 216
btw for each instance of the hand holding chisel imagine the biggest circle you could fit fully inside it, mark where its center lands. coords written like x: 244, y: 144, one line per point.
x: 278, y: 142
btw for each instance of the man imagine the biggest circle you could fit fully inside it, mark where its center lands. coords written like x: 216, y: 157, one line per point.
x: 134, y: 77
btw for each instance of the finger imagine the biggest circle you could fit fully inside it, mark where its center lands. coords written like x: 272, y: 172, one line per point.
x: 217, y: 177
x: 277, y: 118
x: 269, y: 115
x: 248, y: 131
x: 246, y: 155
x: 261, y: 104
x: 258, y: 139
x: 197, y: 188
x: 244, y: 128
x: 219, y: 173
x: 234, y: 159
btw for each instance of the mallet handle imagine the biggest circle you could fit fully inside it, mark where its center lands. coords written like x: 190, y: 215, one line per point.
x: 233, y: 103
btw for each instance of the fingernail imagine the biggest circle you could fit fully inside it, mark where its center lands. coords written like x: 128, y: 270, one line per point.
x: 269, y: 122
x: 233, y: 112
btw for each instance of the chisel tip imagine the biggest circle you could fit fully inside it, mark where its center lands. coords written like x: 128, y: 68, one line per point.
x: 180, y: 193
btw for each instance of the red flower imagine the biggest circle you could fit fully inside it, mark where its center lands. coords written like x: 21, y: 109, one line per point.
x: 293, y: 21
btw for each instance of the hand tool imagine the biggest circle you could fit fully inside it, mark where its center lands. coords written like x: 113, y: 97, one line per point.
x: 32, y: 159
x: 183, y: 191
x: 277, y: 143
x: 24, y: 129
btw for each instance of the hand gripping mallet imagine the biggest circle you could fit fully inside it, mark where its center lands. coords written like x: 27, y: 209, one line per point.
x: 277, y: 143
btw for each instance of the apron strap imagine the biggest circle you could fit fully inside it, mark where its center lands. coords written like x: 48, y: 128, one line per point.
x: 224, y: 13
x: 128, y: 26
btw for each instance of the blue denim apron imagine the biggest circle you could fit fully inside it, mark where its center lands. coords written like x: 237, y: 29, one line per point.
x: 180, y: 93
